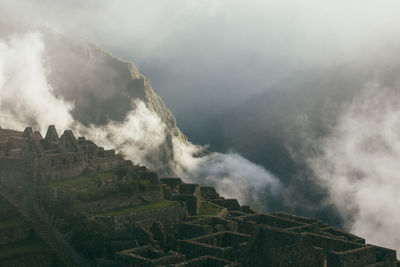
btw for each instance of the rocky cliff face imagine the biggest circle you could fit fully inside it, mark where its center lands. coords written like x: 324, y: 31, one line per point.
x: 103, y: 87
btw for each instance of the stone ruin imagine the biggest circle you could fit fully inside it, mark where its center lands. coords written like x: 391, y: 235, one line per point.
x: 179, y: 235
x: 28, y: 154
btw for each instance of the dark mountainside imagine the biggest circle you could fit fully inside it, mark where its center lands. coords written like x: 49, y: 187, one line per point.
x: 102, y: 87
x: 275, y: 129
x: 68, y: 201
x: 266, y: 129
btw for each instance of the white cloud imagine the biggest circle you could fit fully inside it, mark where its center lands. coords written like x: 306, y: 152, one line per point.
x: 359, y: 165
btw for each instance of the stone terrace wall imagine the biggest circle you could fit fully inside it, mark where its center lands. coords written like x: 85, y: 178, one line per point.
x: 330, y: 243
x: 14, y: 172
x: 42, y: 259
x: 167, y: 216
x: 230, y: 204
x: 207, y: 261
x: 15, y: 234
x: 274, y: 247
x: 208, y: 193
x: 122, y: 202
x: 357, y: 257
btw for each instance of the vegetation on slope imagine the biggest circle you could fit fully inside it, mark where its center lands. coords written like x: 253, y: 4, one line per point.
x: 31, y: 245
x: 206, y: 209
x: 28, y: 244
x: 139, y: 208
x: 65, y: 200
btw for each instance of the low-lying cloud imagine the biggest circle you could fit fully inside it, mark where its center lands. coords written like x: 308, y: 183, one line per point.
x: 27, y: 98
x: 359, y: 165
x: 231, y: 174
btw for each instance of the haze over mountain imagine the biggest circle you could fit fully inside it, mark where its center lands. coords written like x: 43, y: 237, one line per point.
x: 287, y: 84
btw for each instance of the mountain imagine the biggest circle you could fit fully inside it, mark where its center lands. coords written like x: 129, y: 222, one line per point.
x: 279, y: 129
x: 103, y: 87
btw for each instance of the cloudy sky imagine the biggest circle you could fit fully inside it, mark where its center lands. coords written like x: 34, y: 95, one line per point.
x: 206, y: 57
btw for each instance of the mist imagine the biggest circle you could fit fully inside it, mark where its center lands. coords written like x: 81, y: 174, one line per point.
x: 28, y: 99
x: 325, y: 74
x: 205, y: 57
x: 232, y: 175
x: 359, y: 164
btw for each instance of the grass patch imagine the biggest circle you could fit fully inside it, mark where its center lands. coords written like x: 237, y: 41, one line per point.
x: 6, y: 212
x: 27, y: 246
x: 108, y: 174
x: 139, y: 208
x: 81, y: 179
x: 206, y: 209
x: 5, y: 206
x: 123, y: 188
x: 69, y: 182
x: 12, y: 222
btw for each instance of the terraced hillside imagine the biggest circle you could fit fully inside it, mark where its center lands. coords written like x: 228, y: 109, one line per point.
x: 102, y: 213
x: 124, y: 215
x: 19, y: 244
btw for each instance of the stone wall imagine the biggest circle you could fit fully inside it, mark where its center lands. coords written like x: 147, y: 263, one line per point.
x: 359, y: 257
x: 148, y: 256
x: 30, y: 260
x: 172, y: 183
x: 226, y: 244
x: 272, y: 221
x: 166, y: 216
x: 14, y: 172
x: 273, y: 247
x: 108, y: 163
x: 122, y: 202
x: 206, y: 261
x: 230, y: 204
x: 208, y: 193
x: 14, y: 234
x: 192, y: 202
x: 331, y: 243
x: 58, y: 166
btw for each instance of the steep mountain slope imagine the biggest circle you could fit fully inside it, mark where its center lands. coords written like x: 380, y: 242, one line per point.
x: 279, y: 129
x: 103, y: 88
x: 100, y: 85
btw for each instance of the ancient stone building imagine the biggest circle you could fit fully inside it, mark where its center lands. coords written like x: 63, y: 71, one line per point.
x: 173, y: 223
x: 28, y: 155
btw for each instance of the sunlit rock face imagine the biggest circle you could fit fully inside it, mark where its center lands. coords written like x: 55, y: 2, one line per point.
x: 102, y: 88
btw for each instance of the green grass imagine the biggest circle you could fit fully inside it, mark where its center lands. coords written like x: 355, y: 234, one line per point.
x: 70, y: 182
x: 11, y: 223
x: 5, y: 206
x: 81, y: 179
x: 206, y: 209
x: 7, y: 212
x: 139, y: 208
x: 27, y: 246
x: 108, y: 174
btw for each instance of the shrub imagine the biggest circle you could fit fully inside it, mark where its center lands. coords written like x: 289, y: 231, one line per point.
x: 121, y: 172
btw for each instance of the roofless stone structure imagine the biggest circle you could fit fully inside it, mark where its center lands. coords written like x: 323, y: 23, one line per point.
x: 150, y: 221
x: 28, y: 154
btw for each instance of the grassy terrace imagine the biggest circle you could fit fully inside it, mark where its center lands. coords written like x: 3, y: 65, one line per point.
x: 139, y: 208
x: 11, y: 223
x: 70, y: 182
x: 28, y: 246
x: 73, y: 181
x: 5, y: 206
x: 206, y: 209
